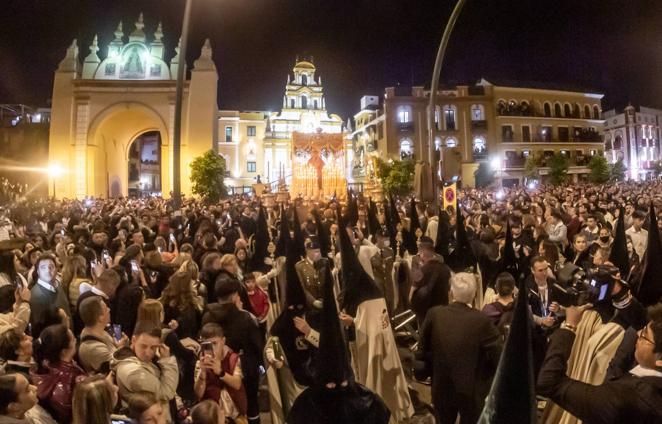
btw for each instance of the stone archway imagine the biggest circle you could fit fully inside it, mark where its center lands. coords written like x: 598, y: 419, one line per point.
x: 110, y: 138
x: 144, y: 162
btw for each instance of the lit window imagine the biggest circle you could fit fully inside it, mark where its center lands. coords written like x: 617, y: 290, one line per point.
x: 477, y: 113
x: 251, y: 167
x: 228, y: 134
x: 449, y: 118
x: 404, y: 116
x: 479, y: 145
x: 406, y: 149
x: 451, y: 142
x: 250, y: 131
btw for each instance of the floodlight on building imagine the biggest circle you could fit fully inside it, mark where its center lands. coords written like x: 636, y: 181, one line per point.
x: 55, y: 170
x: 495, y: 163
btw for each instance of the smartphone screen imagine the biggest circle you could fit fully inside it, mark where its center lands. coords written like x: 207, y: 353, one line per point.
x: 207, y: 348
x: 117, y: 332
x: 172, y: 237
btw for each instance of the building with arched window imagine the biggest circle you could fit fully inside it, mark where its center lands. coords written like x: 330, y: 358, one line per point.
x: 634, y: 137
x: 484, y: 123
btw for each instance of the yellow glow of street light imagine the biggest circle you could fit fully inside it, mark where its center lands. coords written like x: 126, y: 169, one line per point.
x: 55, y: 170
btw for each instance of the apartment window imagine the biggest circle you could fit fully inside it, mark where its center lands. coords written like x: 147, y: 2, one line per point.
x: 449, y: 118
x: 477, y: 113
x: 404, y: 115
x: 507, y: 133
x: 251, y: 167
x: 557, y: 110
x: 587, y: 112
x: 315, y: 104
x: 406, y: 148
x: 564, y: 134
x: 293, y: 103
x: 596, y: 112
x: 451, y: 142
x: 548, y: 110
x: 250, y: 131
x: 228, y: 134
x: 304, y: 102
x: 546, y: 133
x: 566, y: 111
x: 526, y: 133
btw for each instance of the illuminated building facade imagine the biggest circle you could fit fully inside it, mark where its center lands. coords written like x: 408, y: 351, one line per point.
x: 260, y: 142
x: 633, y: 136
x: 112, y: 117
x: 502, y: 125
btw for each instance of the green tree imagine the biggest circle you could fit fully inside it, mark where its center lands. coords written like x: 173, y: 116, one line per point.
x: 484, y: 175
x: 207, y: 173
x: 558, y: 169
x: 600, y: 171
x: 397, y: 176
x: 657, y: 168
x: 618, y: 169
x: 531, y: 170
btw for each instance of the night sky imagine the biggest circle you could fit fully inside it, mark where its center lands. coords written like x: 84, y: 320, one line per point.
x: 360, y: 46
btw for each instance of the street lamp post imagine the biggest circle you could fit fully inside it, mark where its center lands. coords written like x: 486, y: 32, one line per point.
x: 54, y: 171
x: 434, y: 85
x: 177, y: 133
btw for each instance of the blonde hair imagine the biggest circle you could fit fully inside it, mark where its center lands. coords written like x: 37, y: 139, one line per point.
x: 179, y: 292
x: 150, y: 310
x: 191, y: 268
x: 227, y: 259
x: 92, y: 401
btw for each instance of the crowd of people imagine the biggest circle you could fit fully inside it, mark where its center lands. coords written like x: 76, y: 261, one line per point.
x: 132, y: 311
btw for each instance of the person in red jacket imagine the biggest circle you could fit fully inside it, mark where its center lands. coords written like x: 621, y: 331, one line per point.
x: 258, y: 297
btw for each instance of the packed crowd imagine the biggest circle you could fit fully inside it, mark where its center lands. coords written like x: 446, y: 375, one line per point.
x: 131, y: 311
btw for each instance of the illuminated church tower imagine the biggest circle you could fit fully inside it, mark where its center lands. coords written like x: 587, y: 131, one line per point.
x: 304, y: 110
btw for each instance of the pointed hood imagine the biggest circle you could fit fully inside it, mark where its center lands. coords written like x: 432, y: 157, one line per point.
x: 414, y: 224
x: 514, y: 374
x: 373, y: 222
x: 299, y: 237
x: 260, y: 243
x: 357, y: 284
x: 390, y: 223
x: 322, y: 234
x: 649, y: 290
x: 352, y: 210
x: 441, y: 245
x: 333, y: 360
x: 284, y: 234
x: 463, y: 256
x: 300, y: 360
x: 508, y: 259
x: 619, y: 248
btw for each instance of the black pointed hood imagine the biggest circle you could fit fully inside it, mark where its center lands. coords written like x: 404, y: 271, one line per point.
x: 352, y: 209
x: 390, y: 223
x: 299, y: 237
x: 284, y: 234
x: 322, y: 234
x: 333, y: 361
x: 414, y: 224
x: 442, y: 244
x: 300, y: 360
x: 357, y: 284
x: 508, y: 259
x: 512, y: 398
x: 260, y: 243
x: 373, y: 222
x: 463, y: 256
x: 619, y: 247
x: 649, y: 290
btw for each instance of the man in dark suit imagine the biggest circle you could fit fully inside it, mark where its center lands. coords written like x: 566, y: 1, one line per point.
x: 544, y: 303
x: 431, y: 287
x: 461, y: 349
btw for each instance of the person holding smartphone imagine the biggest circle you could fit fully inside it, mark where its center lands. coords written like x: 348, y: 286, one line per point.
x: 218, y: 373
x: 97, y: 346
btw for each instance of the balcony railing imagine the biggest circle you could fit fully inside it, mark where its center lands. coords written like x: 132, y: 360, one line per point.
x: 541, y: 140
x: 406, y: 126
x: 480, y: 155
x: 479, y: 125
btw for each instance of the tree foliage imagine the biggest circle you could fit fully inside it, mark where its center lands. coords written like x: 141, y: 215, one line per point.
x: 600, y: 171
x: 618, y: 169
x: 207, y: 173
x: 484, y: 175
x: 397, y: 176
x: 531, y: 169
x: 558, y: 169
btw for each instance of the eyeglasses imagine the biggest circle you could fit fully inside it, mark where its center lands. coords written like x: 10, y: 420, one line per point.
x: 642, y: 336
